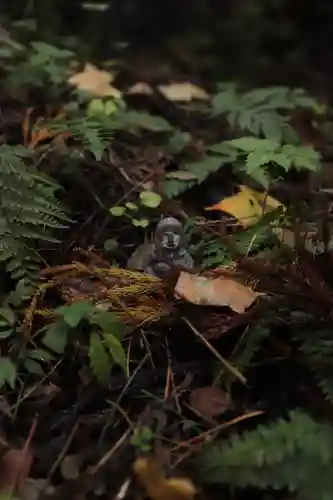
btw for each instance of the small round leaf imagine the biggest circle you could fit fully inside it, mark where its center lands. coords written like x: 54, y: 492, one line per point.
x: 131, y: 206
x: 96, y: 107
x: 150, y: 199
x: 117, y: 211
x: 140, y: 222
x: 110, y: 245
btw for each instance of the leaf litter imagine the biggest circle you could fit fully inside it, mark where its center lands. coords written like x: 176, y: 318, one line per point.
x: 223, y: 292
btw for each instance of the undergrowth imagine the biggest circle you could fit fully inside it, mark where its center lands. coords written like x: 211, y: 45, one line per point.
x: 258, y: 145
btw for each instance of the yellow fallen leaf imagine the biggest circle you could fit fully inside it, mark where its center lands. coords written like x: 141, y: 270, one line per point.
x: 221, y: 291
x: 95, y: 81
x: 141, y: 88
x: 247, y: 206
x: 183, y: 92
x: 157, y: 486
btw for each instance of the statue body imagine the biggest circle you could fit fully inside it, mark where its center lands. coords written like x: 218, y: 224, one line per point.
x: 169, y: 249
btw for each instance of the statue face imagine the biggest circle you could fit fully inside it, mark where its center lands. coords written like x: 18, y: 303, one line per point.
x: 170, y: 240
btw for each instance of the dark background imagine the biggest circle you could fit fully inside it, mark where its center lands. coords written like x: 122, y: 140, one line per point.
x: 256, y: 41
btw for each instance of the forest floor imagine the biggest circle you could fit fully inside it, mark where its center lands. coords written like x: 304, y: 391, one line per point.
x: 186, y: 365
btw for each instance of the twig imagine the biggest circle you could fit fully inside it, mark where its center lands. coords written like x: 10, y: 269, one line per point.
x: 212, y: 349
x: 61, y: 455
x: 105, y: 458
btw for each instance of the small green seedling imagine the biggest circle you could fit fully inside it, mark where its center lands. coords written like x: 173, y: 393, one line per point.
x: 147, y: 199
x: 142, y: 439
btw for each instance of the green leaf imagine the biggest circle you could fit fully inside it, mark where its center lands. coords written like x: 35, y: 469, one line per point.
x: 272, y: 126
x: 100, y: 362
x: 199, y: 169
x: 75, y: 313
x: 56, y: 336
x: 96, y: 107
x: 8, y: 315
x: 110, y: 107
x: 147, y: 121
x: 249, y: 144
x: 117, y: 211
x: 131, y: 206
x: 178, y: 141
x: 41, y: 355
x: 173, y: 187
x: 222, y: 148
x: 255, y: 168
x: 108, y: 322
x: 94, y: 143
x: 140, y: 223
x: 282, y: 160
x: 207, y: 165
x: 22, y: 292
x: 33, y: 367
x: 4, y: 334
x: 7, y: 372
x: 225, y: 101
x: 110, y: 245
x: 303, y: 157
x: 150, y: 199
x: 50, y: 51
x: 116, y: 349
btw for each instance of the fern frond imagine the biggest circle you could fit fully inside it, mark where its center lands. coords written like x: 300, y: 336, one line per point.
x: 28, y: 211
x: 249, y: 345
x: 296, y: 454
x: 262, y: 111
x: 318, y: 350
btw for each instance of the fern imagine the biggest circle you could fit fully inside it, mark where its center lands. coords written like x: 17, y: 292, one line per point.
x: 259, y: 110
x: 258, y: 153
x: 249, y: 345
x: 94, y: 132
x: 29, y: 212
x: 264, y: 113
x: 200, y: 170
x: 296, y: 454
x: 318, y: 350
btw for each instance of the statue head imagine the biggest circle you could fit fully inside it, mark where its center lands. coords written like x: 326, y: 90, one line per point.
x: 170, y: 235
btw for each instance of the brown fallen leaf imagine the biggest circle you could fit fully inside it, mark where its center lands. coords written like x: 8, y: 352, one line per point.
x: 45, y: 392
x: 95, y: 81
x: 184, y: 91
x: 70, y: 467
x: 15, y: 466
x: 220, y: 291
x: 181, y: 175
x: 309, y: 239
x: 32, y: 489
x: 210, y: 401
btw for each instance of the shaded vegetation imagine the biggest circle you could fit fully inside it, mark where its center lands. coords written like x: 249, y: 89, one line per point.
x: 115, y: 382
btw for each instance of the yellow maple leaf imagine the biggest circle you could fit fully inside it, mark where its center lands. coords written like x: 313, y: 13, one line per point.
x: 184, y: 91
x: 247, y: 206
x: 95, y: 81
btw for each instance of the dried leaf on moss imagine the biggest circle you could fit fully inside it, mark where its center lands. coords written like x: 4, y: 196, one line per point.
x: 220, y: 291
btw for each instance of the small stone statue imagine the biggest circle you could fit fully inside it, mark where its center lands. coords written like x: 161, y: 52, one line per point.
x: 168, y: 249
